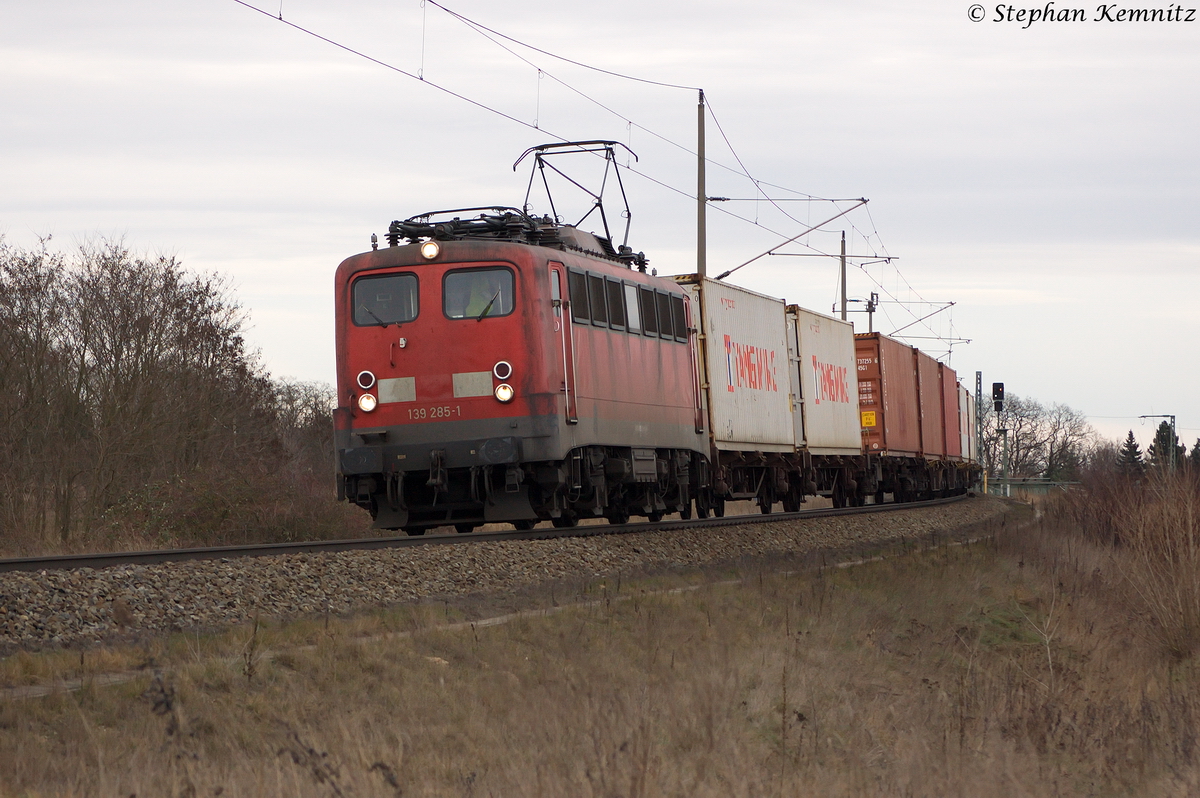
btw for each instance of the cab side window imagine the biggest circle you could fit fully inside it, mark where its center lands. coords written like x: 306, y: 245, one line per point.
x: 649, y: 311
x: 579, y: 297
x: 631, y: 307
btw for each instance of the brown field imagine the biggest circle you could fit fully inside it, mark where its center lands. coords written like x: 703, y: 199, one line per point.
x: 1027, y: 665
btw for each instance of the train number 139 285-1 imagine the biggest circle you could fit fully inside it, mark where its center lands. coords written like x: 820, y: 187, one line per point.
x: 437, y: 411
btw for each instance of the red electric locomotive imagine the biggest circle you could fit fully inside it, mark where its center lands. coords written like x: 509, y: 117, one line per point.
x: 505, y: 368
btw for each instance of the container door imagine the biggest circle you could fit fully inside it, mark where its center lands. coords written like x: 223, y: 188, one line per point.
x: 564, y: 331
x: 693, y: 327
x: 795, y: 383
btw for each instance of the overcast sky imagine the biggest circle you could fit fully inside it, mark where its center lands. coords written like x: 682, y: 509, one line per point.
x: 1044, y: 177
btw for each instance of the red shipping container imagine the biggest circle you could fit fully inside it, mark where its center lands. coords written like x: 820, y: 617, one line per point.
x: 933, y: 429
x: 888, y: 398
x: 950, y: 413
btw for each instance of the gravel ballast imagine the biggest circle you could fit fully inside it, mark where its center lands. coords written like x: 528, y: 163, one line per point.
x: 85, y: 605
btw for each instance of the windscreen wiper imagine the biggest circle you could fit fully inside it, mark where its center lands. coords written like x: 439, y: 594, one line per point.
x: 489, y: 305
x: 368, y: 310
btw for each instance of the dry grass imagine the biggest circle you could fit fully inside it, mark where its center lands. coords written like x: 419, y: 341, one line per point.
x: 1001, y: 669
x: 1150, y: 530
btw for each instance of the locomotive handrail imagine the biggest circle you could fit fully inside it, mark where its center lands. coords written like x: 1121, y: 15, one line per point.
x: 503, y: 220
x: 502, y: 208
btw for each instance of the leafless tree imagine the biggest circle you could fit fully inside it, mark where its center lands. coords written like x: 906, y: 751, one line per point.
x: 1053, y: 441
x: 121, y: 369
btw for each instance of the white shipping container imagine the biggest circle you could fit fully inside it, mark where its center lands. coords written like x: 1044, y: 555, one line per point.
x: 748, y: 387
x: 966, y: 407
x: 824, y: 383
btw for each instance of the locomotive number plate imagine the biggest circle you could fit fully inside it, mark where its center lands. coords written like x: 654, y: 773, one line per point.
x: 437, y: 411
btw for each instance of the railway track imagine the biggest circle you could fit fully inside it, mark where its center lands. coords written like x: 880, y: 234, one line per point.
x: 64, y: 562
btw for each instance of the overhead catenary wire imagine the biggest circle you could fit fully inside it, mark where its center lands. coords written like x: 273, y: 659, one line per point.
x: 510, y: 117
x: 489, y: 33
x: 481, y: 105
x: 608, y: 72
x: 535, y: 125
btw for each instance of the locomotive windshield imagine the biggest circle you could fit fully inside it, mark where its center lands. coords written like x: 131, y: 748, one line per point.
x: 477, y: 293
x: 389, y: 299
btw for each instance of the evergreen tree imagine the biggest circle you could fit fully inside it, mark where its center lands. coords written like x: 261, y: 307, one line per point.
x: 1194, y: 457
x: 1129, y: 461
x: 1165, y: 440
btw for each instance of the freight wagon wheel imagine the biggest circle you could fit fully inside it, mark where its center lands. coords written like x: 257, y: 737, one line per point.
x: 879, y: 497
x: 465, y: 529
x: 413, y: 531
x: 565, y: 521
x: 524, y: 524
x: 718, y: 506
x: 685, y: 513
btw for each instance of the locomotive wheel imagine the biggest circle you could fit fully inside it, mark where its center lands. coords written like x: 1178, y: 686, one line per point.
x: 654, y: 517
x: 465, y: 529
x: 618, y: 516
x: 565, y: 521
x: 524, y: 524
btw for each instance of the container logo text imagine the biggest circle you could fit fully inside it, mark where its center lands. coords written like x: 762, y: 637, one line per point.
x: 832, y: 382
x: 749, y: 367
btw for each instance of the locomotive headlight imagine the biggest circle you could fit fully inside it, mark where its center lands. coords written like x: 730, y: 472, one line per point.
x: 502, y: 370
x: 367, y: 402
x: 430, y: 250
x: 504, y: 392
x: 365, y: 379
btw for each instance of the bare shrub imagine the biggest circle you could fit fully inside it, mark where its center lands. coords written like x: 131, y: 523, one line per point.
x: 1152, y: 526
x: 1162, y: 559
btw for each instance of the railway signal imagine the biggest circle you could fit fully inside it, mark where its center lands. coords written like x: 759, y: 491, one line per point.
x: 998, y: 396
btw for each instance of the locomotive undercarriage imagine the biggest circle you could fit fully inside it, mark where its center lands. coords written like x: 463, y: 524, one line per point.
x: 615, y: 483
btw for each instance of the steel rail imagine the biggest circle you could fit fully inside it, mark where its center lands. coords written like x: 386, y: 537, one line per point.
x: 64, y: 562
